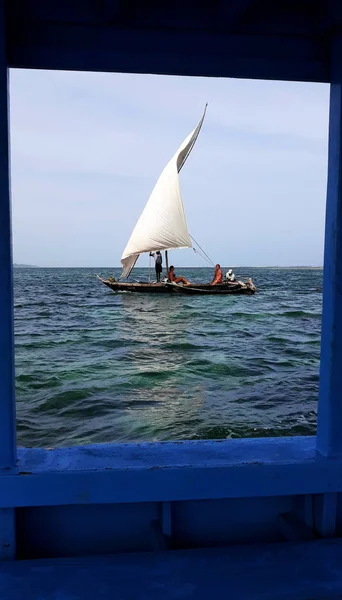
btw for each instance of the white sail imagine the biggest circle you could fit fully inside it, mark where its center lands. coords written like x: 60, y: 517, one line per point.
x: 162, y: 224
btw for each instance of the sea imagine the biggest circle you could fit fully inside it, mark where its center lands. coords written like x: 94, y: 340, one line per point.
x: 93, y: 366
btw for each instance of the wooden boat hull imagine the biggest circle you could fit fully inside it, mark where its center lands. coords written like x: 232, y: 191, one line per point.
x: 204, y: 289
x: 141, y: 287
x: 247, y: 288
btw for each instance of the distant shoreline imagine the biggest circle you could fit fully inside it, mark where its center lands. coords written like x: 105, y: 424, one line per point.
x: 19, y: 266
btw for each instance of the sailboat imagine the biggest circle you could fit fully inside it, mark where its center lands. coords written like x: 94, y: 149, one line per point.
x: 162, y: 226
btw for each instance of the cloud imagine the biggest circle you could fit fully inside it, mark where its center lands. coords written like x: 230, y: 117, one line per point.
x: 87, y: 149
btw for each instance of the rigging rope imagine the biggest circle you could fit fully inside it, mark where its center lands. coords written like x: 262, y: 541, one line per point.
x: 205, y: 257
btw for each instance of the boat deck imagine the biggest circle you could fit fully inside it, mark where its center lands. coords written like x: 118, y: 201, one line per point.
x: 296, y: 571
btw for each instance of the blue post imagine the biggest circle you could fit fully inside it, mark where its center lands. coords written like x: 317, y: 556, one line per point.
x: 7, y: 397
x: 329, y: 427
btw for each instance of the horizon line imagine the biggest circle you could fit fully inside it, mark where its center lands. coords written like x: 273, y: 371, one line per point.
x: 23, y: 266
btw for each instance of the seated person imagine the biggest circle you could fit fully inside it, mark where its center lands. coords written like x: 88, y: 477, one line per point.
x: 217, y: 275
x: 230, y: 276
x: 174, y: 279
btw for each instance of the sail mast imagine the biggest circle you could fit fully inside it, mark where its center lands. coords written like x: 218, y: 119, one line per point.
x: 167, y: 263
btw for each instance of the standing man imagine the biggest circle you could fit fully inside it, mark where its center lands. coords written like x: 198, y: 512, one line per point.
x: 158, y: 263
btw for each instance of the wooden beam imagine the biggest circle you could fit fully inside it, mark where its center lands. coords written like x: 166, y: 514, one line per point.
x: 169, y: 472
x: 233, y: 13
x: 7, y: 398
x: 325, y: 514
x: 7, y: 534
x: 69, y: 46
x: 293, y: 529
x: 114, y: 10
x: 329, y: 427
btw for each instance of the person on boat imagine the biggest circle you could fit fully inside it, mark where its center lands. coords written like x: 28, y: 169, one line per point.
x: 217, y: 275
x: 158, y: 263
x: 230, y: 276
x: 174, y: 279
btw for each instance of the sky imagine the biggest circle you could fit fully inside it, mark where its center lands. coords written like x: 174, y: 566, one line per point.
x: 87, y: 149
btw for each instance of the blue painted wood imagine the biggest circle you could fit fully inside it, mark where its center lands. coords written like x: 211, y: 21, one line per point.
x: 300, y: 571
x: 220, y: 522
x: 170, y: 471
x: 125, y: 527
x: 158, y: 538
x: 294, y: 530
x: 76, y: 46
x: 307, y: 513
x: 7, y: 401
x: 158, y: 455
x: 329, y: 431
x: 227, y: 13
x: 301, y: 18
x: 61, y: 531
x: 167, y: 518
x: 325, y: 514
x: 7, y: 398
x: 7, y: 534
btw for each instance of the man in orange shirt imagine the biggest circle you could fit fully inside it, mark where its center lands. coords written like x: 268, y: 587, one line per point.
x: 217, y: 275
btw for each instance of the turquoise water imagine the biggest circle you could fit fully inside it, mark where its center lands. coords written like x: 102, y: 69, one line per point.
x: 93, y: 366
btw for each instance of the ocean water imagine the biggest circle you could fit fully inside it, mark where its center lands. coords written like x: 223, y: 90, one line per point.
x: 94, y: 366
